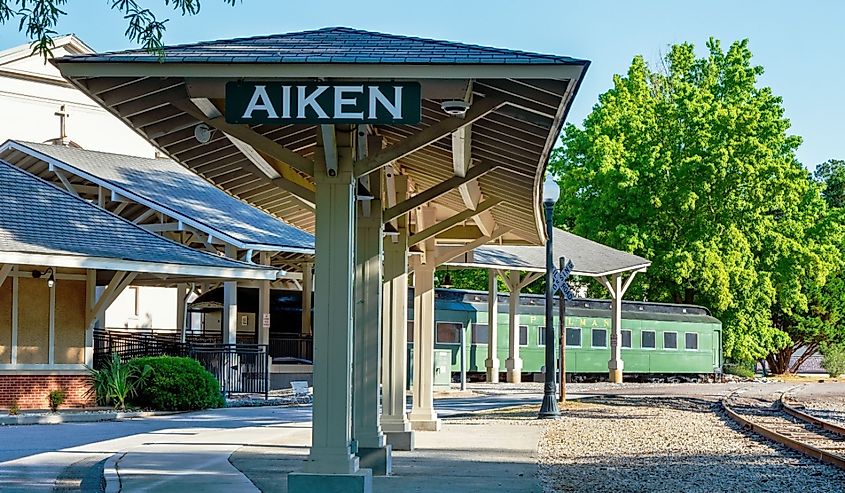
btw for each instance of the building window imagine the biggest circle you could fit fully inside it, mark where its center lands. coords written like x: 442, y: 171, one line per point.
x: 670, y: 340
x: 626, y: 339
x: 541, y: 336
x: 410, y: 331
x: 599, y: 338
x: 523, y: 335
x: 648, y: 339
x: 449, y: 333
x: 573, y: 337
x: 691, y: 341
x: 480, y: 335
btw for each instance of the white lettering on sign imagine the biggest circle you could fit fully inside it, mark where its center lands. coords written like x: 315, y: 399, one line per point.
x: 310, y: 100
x: 395, y: 108
x: 260, y: 93
x: 285, y: 101
x: 340, y: 101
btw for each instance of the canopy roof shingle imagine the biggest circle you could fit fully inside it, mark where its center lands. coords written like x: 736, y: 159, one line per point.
x: 44, y: 225
x: 165, y: 185
x: 589, y: 258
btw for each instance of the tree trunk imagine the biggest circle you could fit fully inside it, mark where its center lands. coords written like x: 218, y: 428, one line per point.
x: 779, y: 361
x: 811, y: 350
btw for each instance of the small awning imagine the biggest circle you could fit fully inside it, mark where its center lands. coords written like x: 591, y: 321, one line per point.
x: 42, y: 224
x: 589, y: 258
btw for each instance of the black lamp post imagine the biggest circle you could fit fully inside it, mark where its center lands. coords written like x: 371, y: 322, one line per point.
x: 551, y: 192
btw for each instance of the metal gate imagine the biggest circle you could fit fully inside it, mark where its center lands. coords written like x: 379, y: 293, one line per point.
x: 240, y: 368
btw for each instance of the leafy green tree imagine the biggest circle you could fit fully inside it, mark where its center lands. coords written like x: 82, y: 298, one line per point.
x: 832, y: 174
x: 691, y: 166
x: 40, y: 18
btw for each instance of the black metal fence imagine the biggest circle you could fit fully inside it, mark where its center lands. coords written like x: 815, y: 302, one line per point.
x: 240, y: 368
x: 292, y: 346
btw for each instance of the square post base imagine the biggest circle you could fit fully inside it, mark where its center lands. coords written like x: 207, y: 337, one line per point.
x: 515, y: 376
x: 400, y: 440
x: 426, y: 425
x: 616, y: 376
x: 377, y: 459
x: 358, y: 482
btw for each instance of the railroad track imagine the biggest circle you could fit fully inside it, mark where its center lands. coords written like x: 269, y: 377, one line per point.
x: 782, y: 423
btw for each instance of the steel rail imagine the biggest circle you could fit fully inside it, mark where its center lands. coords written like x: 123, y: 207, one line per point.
x: 826, y: 425
x: 806, y: 449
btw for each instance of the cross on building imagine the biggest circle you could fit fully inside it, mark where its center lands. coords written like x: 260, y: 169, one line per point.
x: 63, y: 115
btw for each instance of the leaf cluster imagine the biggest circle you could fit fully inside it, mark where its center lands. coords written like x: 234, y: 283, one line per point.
x: 176, y: 384
x: 117, y: 381
x: 38, y: 19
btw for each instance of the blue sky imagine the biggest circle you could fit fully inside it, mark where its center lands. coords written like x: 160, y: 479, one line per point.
x: 800, y: 44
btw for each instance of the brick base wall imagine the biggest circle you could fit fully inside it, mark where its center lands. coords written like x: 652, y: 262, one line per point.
x: 30, y: 391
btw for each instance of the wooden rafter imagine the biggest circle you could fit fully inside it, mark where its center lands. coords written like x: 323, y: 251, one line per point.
x: 454, y: 220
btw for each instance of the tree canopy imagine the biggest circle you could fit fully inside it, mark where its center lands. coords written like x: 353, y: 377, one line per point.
x: 831, y: 174
x: 39, y: 19
x: 691, y: 165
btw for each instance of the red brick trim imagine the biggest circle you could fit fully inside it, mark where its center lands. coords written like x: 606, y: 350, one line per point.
x: 30, y: 391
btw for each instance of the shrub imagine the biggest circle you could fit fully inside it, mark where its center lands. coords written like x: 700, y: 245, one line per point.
x: 116, y: 382
x: 833, y: 359
x: 14, y: 409
x: 740, y: 369
x: 56, y: 398
x: 177, y: 384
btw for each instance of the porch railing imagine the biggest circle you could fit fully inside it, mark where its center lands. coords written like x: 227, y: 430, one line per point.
x: 292, y: 346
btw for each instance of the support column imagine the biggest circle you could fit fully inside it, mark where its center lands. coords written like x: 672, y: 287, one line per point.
x: 394, y: 420
x: 263, y: 322
x: 366, y: 427
x: 181, y: 309
x: 615, y: 364
x: 230, y: 304
x: 514, y: 362
x: 331, y: 466
x: 90, y: 302
x: 307, y: 296
x: 492, y: 361
x: 423, y: 417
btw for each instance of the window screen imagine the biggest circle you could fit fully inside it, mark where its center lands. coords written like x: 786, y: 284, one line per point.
x: 626, y: 338
x: 670, y: 340
x: 480, y: 334
x: 573, y: 337
x: 410, y: 331
x: 648, y: 339
x: 691, y: 340
x: 449, y: 333
x: 523, y: 335
x: 599, y: 338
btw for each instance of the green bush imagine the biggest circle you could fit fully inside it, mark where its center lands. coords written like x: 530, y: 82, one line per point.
x: 117, y: 381
x: 176, y: 384
x: 56, y: 398
x: 740, y: 369
x: 833, y: 359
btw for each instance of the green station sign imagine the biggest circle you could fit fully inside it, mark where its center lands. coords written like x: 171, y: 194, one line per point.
x: 308, y: 102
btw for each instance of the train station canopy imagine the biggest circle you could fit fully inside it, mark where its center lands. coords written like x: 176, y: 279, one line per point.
x: 589, y: 258
x: 44, y: 225
x: 162, y: 196
x: 491, y: 160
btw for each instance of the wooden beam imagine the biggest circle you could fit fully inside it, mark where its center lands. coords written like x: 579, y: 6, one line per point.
x: 161, y: 227
x: 430, y: 134
x: 438, y: 190
x: 448, y: 254
x: 330, y: 148
x: 460, y: 217
x: 4, y: 272
x: 306, y: 196
x: 116, y: 286
x: 248, y: 135
x: 62, y: 178
x: 471, y: 190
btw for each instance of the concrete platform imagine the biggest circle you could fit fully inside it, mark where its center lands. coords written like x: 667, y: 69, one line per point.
x: 467, y: 455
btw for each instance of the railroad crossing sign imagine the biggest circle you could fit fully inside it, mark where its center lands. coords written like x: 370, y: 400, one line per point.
x: 559, y: 278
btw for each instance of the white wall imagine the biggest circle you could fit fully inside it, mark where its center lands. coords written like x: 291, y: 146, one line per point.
x: 156, y: 309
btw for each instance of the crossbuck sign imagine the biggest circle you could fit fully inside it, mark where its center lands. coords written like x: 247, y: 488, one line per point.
x: 308, y: 102
x: 559, y: 278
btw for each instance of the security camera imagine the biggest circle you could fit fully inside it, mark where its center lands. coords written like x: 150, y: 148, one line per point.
x: 455, y: 108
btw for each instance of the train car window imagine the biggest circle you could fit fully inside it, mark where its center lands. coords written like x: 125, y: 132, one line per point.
x: 648, y: 339
x: 573, y: 337
x: 626, y: 339
x: 449, y: 332
x: 599, y: 338
x: 541, y: 336
x: 670, y: 340
x: 480, y: 335
x: 691, y: 341
x: 523, y: 335
x: 410, y: 331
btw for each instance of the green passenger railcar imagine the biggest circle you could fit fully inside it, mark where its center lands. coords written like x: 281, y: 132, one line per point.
x: 657, y: 338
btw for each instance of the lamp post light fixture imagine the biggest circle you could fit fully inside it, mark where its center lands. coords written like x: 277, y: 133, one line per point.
x: 548, y: 409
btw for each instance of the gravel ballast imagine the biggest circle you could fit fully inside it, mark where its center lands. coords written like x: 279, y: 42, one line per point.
x: 669, y: 445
